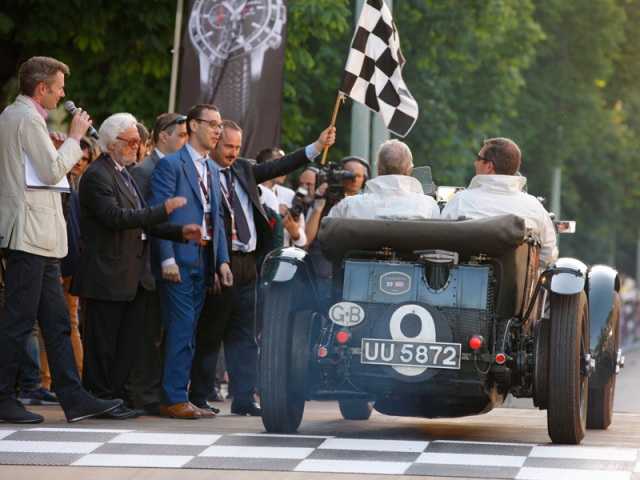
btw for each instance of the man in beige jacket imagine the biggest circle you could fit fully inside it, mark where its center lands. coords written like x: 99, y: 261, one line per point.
x: 35, y: 238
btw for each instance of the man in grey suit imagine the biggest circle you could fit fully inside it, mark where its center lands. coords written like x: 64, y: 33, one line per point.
x: 35, y: 238
x: 169, y: 135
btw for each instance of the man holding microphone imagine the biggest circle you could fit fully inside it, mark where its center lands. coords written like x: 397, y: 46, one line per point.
x: 35, y: 238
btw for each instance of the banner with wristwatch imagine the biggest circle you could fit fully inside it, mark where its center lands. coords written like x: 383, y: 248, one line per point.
x: 233, y: 57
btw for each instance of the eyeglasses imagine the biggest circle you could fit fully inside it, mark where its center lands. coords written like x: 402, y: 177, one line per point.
x: 176, y: 121
x: 480, y: 157
x: 212, y: 123
x: 133, y: 142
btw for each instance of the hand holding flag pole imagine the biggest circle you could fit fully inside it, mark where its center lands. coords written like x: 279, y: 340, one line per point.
x: 333, y: 123
x: 373, y: 74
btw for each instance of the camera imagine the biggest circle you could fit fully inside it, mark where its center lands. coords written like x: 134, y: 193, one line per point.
x: 333, y: 176
x: 297, y: 203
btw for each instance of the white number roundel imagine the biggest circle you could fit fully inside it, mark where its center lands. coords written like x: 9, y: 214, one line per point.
x: 427, y: 333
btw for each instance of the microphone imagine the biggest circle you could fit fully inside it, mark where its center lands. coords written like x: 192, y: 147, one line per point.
x: 70, y: 107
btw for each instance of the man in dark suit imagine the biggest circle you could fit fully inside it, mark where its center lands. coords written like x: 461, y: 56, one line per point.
x: 229, y: 317
x: 185, y: 271
x: 114, y: 268
x: 169, y: 134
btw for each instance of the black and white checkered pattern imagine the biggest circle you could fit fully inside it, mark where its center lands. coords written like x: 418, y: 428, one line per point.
x: 373, y: 75
x: 313, y: 453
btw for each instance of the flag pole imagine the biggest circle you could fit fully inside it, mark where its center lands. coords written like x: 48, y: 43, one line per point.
x: 175, y: 51
x: 333, y: 122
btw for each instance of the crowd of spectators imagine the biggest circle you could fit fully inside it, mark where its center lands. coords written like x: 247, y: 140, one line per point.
x: 629, y: 313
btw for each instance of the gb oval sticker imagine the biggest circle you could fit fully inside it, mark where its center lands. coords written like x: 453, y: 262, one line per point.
x: 346, y: 314
x: 395, y: 283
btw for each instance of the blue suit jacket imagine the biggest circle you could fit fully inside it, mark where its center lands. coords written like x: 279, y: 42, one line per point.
x: 175, y: 175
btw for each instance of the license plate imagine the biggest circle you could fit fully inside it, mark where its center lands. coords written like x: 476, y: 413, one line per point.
x: 412, y: 354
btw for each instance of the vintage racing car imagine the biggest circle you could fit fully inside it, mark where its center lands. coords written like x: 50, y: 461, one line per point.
x: 439, y: 318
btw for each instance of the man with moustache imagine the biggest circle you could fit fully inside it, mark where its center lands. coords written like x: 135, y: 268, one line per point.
x: 33, y: 238
x: 185, y: 271
x: 114, y: 269
x: 229, y: 315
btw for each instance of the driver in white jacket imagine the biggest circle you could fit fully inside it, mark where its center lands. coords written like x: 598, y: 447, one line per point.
x: 394, y: 194
x: 496, y: 189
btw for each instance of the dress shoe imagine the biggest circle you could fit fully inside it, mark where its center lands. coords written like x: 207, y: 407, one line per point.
x: 122, y: 412
x: 204, y: 412
x: 12, y: 411
x: 91, y: 406
x: 205, y: 406
x: 183, y: 410
x: 252, y: 409
x: 216, y: 396
x: 152, y: 409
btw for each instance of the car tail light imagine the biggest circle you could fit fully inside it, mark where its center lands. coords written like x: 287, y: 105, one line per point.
x: 476, y: 342
x: 343, y: 336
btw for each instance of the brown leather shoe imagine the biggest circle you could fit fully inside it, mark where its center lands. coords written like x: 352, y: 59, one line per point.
x: 204, y: 412
x: 182, y: 410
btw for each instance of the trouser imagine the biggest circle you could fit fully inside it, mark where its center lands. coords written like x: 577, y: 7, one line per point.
x: 229, y: 318
x: 146, y: 376
x: 181, y: 304
x: 33, y: 290
x: 111, y: 337
x: 76, y: 340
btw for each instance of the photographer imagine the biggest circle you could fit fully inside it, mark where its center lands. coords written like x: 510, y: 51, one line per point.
x: 288, y: 203
x: 328, y: 186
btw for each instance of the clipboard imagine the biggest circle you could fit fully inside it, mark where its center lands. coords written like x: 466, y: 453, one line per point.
x: 34, y: 182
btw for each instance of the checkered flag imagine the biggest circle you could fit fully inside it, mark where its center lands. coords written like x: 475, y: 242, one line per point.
x: 373, y: 72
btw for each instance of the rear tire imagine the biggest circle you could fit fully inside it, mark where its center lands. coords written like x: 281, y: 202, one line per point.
x: 600, y: 409
x: 568, y: 385
x: 282, y: 405
x: 355, y: 409
x: 541, y: 369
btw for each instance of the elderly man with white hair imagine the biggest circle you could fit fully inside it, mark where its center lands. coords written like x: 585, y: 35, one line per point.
x: 114, y: 268
x: 394, y: 194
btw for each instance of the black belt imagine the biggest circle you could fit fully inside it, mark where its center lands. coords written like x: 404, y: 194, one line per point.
x: 240, y: 253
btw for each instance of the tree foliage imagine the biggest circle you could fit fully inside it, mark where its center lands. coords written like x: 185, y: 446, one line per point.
x: 564, y: 120
x: 118, y: 51
x: 464, y: 67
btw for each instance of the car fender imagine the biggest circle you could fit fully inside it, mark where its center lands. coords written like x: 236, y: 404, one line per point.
x: 286, y: 263
x: 570, y: 277
x: 603, y: 285
x: 291, y: 264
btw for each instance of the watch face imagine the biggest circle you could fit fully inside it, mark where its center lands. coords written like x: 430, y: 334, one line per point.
x: 220, y: 29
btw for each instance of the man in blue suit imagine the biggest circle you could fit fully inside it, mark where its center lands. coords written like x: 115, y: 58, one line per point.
x: 184, y: 271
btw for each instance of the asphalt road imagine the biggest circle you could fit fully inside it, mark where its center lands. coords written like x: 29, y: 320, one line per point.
x: 516, y: 424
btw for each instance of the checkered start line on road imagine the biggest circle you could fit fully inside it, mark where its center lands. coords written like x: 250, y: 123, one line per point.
x: 299, y: 453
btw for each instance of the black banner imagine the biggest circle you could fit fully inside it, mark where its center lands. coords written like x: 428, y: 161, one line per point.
x: 233, y: 57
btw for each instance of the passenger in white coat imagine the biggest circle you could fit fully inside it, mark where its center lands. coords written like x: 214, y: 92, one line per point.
x: 497, y: 189
x: 394, y: 194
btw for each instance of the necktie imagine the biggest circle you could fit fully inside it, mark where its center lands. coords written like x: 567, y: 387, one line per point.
x: 127, y: 180
x: 241, y: 224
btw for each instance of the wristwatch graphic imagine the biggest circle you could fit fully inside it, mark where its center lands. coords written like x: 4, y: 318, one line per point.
x: 232, y: 38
